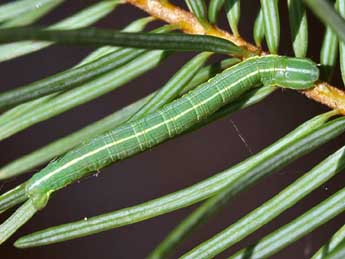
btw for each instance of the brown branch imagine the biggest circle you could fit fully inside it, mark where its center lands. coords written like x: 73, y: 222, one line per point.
x: 188, y: 23
x: 327, y: 95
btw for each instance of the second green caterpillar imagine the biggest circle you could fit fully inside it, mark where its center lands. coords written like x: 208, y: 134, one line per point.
x: 169, y: 121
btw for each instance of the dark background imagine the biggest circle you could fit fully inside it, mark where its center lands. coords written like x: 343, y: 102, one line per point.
x: 168, y: 167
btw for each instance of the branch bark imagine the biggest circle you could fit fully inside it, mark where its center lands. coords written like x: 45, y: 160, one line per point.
x: 188, y: 23
x: 327, y: 95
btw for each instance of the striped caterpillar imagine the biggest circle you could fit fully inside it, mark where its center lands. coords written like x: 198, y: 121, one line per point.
x: 171, y: 120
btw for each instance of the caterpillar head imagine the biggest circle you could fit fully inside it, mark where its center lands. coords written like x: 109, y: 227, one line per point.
x: 296, y: 73
x: 286, y: 72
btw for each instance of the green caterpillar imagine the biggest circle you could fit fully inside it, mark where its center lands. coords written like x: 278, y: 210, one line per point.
x: 171, y: 120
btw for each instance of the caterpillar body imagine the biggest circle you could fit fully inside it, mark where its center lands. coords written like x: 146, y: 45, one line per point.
x: 169, y: 121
